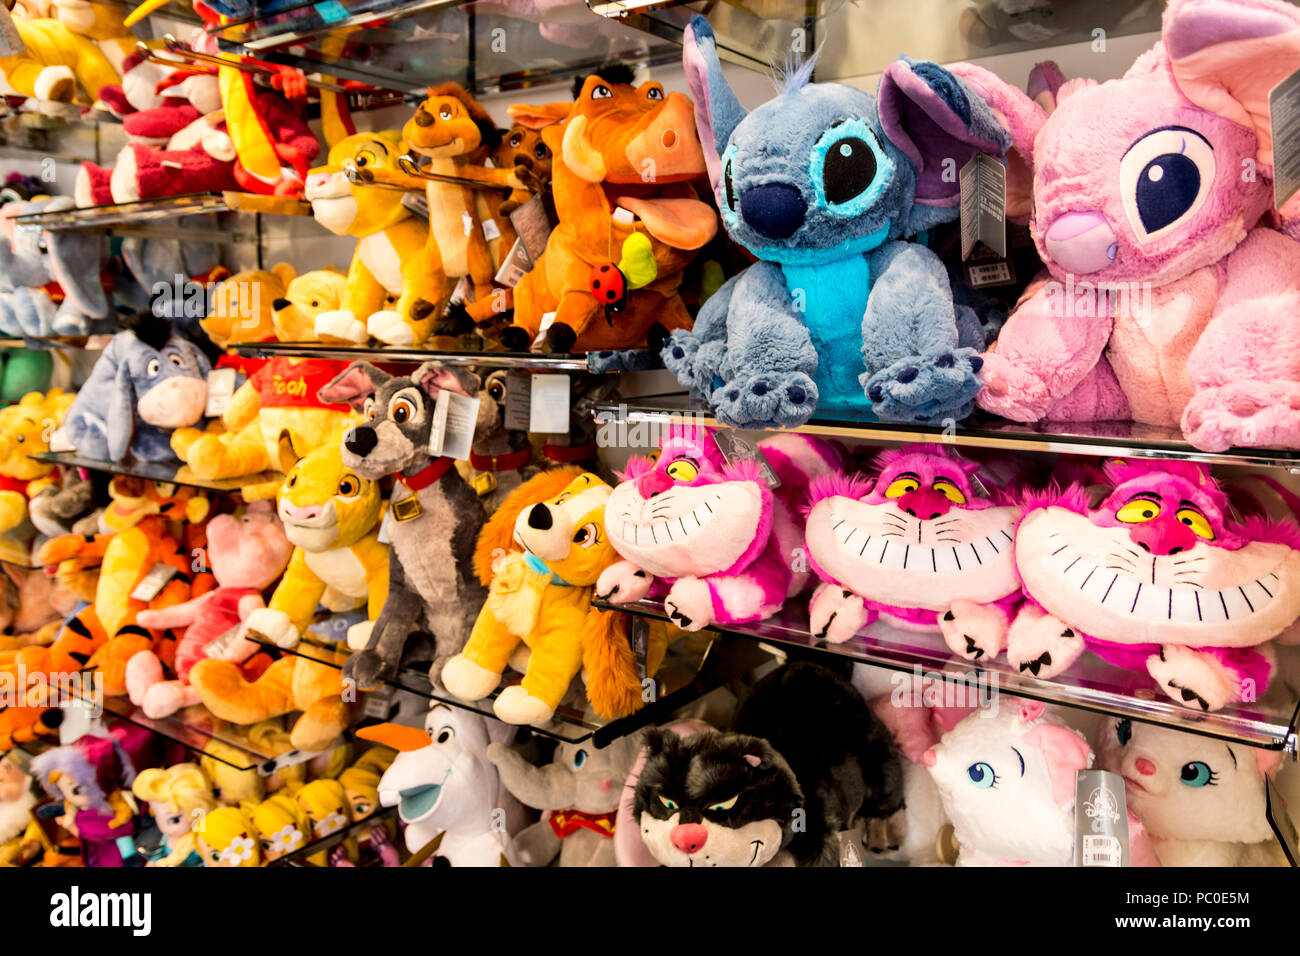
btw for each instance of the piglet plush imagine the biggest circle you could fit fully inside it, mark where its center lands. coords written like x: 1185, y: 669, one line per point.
x: 1166, y: 300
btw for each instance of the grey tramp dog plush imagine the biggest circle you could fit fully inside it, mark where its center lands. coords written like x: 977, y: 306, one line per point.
x: 148, y: 382
x: 824, y: 184
x: 805, y: 759
x: 432, y: 524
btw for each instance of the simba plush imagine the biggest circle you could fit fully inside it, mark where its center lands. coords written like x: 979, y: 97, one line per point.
x: 542, y: 597
x: 610, y: 137
x: 305, y: 298
x: 331, y: 516
x: 391, y: 257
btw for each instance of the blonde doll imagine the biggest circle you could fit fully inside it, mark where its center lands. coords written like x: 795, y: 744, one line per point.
x: 226, y: 837
x: 282, y: 823
x: 326, y: 805
x: 233, y: 785
x: 178, y: 798
x: 361, y: 786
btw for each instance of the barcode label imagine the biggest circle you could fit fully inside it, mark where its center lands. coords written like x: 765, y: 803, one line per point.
x: 1101, y: 851
x: 994, y: 273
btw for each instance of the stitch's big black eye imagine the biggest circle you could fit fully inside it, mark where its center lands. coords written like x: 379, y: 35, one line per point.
x: 849, y: 169
x: 730, y: 189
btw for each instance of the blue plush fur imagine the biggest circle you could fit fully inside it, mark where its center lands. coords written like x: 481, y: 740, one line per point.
x: 104, y: 422
x: 841, y: 313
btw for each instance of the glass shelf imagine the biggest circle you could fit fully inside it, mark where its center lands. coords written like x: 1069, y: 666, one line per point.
x: 860, y: 37
x: 300, y: 856
x: 1090, y: 684
x: 408, y: 45
x: 691, y: 667
x: 1094, y: 439
x: 195, y: 729
x: 177, y: 475
x: 56, y: 342
x: 169, y: 207
x: 407, y: 356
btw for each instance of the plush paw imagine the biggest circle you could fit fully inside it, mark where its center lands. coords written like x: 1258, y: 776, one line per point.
x: 679, y: 356
x: 271, y: 625
x: 165, y: 698
x: 928, y: 388
x: 1011, y: 391
x: 766, y: 400
x: 367, y: 670
x: 622, y: 583
x: 467, y: 680
x: 515, y: 705
x: 359, y: 635
x: 520, y: 658
x: 340, y: 324
x: 620, y: 360
x: 835, y: 614
x: 976, y: 632
x: 143, y: 671
x: 1041, y: 645
x: 690, y: 604
x: 388, y: 327
x: 1193, y: 680
x: 1247, y: 414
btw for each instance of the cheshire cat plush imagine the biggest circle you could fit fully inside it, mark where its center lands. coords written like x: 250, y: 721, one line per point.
x: 821, y: 184
x: 923, y: 547
x: 713, y: 539
x: 1167, y: 301
x: 1158, y: 578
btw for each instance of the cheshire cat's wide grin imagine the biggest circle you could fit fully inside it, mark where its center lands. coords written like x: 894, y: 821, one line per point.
x: 688, y: 529
x: 1205, y: 594
x: 887, y: 555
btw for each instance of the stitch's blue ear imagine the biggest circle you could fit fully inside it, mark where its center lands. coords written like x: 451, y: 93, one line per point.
x: 717, y: 111
x: 938, y: 123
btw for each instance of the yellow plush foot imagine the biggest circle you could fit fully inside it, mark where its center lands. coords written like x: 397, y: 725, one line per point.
x: 320, y: 724
x: 229, y: 697
x: 468, y: 680
x: 516, y: 706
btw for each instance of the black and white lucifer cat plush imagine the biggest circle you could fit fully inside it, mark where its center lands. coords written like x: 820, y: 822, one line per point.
x: 433, y: 521
x: 805, y: 758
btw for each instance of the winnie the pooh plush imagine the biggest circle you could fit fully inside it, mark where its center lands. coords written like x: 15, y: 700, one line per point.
x: 25, y: 428
x: 243, y: 305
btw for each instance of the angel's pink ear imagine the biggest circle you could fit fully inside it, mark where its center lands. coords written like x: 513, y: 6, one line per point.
x: 1227, y: 56
x: 1065, y: 752
x: 1022, y: 118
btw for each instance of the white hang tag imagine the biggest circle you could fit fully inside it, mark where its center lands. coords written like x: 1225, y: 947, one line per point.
x: 1100, y: 819
x: 491, y: 230
x: 549, y: 405
x: 624, y: 215
x: 983, y: 183
x: 418, y: 203
x: 151, y: 585
x: 461, y: 293
x: 378, y: 702
x: 217, y: 648
x: 384, y: 528
x: 79, y: 720
x: 221, y: 388
x: 515, y: 265
x: 467, y: 222
x: 734, y: 448
x: 11, y: 44
x: 519, y: 399
x: 1284, y: 125
x: 452, y: 432
x: 548, y: 320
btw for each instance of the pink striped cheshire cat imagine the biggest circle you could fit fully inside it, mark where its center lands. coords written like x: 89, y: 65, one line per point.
x: 912, y: 546
x: 712, y: 538
x: 1158, y: 578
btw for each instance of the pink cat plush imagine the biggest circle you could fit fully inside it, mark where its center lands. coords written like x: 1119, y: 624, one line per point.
x: 920, y: 547
x: 1167, y: 301
x: 1158, y: 578
x: 713, y: 538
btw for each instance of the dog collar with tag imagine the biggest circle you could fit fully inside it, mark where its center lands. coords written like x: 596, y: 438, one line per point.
x: 538, y: 566
x: 510, y: 462
x: 408, y: 509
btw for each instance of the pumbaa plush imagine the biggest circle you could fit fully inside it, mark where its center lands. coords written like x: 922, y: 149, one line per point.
x: 626, y: 160
x: 542, y: 598
x: 247, y: 554
x: 1164, y: 284
x: 825, y: 184
x: 392, y: 244
x: 1159, y: 578
x: 147, y: 382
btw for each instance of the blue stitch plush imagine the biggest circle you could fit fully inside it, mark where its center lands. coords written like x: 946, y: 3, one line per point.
x: 823, y: 184
x: 147, y: 382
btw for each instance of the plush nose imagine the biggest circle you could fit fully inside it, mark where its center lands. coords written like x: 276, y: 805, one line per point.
x: 925, y: 503
x: 653, y: 483
x: 423, y: 117
x: 302, y: 512
x: 361, y: 440
x: 280, y: 304
x: 1163, y: 536
x: 1144, y: 767
x: 1081, y: 242
x: 689, y: 837
x: 775, y: 210
x: 540, y: 518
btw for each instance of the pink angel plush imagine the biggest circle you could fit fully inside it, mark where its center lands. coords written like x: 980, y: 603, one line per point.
x: 919, y: 546
x: 247, y: 555
x: 1166, y: 300
x: 712, y: 538
x: 1158, y: 578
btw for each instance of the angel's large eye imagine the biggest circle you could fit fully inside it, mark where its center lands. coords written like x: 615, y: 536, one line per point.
x: 1164, y: 177
x: 849, y: 169
x: 1199, y: 524
x: 901, y: 486
x: 683, y: 469
x: 1138, y: 510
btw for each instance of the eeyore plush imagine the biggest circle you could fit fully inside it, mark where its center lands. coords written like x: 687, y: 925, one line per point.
x: 822, y: 183
x: 148, y: 382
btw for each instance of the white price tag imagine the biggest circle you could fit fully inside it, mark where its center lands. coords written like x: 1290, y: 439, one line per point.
x: 515, y: 265
x: 461, y: 293
x: 79, y: 720
x: 467, y: 222
x: 549, y: 407
x: 452, y: 432
x: 519, y: 398
x: 1101, y: 850
x: 384, y: 528
x: 1284, y: 125
x: 152, y: 583
x: 217, y: 648
x: 624, y: 215
x: 378, y: 703
x: 491, y: 230
x: 221, y: 388
x: 983, y: 184
x: 548, y: 320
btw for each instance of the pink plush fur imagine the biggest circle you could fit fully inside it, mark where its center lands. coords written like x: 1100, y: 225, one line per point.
x: 1191, y: 321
